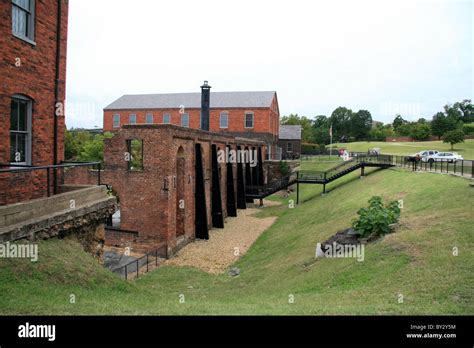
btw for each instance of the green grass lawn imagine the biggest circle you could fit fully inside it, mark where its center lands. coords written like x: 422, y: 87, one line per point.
x: 465, y: 149
x: 416, y: 262
x: 317, y: 164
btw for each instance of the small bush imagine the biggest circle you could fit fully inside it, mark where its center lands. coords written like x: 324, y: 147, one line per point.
x: 376, y: 219
x: 284, y: 168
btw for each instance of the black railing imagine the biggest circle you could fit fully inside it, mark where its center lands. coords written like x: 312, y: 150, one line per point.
x: 464, y: 168
x: 50, y: 169
x: 275, y: 186
x: 131, y: 269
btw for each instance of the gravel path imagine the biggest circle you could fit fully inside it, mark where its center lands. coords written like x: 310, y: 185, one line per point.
x: 224, y: 246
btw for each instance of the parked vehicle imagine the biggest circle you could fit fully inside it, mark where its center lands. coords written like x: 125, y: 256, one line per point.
x: 425, y: 153
x: 443, y: 156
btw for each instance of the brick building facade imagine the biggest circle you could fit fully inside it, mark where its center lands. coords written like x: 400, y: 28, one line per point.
x: 252, y: 115
x: 33, y: 41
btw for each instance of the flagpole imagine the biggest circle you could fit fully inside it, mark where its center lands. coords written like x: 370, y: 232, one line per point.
x: 330, y: 147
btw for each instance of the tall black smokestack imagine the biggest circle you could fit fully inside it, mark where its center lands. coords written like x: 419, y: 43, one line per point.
x: 205, y: 105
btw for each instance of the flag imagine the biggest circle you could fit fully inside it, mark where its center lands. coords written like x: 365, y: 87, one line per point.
x: 330, y: 131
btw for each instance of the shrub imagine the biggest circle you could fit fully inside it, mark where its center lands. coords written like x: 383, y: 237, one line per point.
x: 284, y: 168
x: 376, y: 219
x: 468, y: 128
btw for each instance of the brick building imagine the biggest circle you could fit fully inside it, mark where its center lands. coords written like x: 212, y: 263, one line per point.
x: 289, y: 143
x: 33, y: 41
x: 252, y: 115
x: 34, y: 202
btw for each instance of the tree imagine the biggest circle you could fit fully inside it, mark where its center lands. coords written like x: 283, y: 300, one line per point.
x: 442, y: 124
x: 404, y: 129
x: 340, y: 120
x: 381, y: 132
x: 439, y: 125
x: 453, y: 137
x: 398, y: 121
x: 420, y: 131
x: 306, y: 125
x: 360, y: 125
x: 321, y: 130
x: 466, y: 108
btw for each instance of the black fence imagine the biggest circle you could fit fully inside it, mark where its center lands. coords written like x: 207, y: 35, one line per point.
x: 142, y: 265
x: 275, y: 186
x: 463, y: 168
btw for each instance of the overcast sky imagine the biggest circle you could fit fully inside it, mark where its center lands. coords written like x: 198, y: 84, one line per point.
x: 389, y: 57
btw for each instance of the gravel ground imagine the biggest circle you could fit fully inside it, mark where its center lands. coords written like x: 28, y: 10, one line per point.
x: 224, y: 246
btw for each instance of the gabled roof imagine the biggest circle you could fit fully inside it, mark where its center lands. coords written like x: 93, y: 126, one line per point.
x: 290, y: 132
x: 193, y: 100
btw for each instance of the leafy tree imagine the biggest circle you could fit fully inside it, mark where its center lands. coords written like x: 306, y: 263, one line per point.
x: 306, y: 125
x: 442, y: 124
x: 381, y: 132
x: 360, y: 124
x: 420, y: 131
x: 453, y: 137
x: 398, y: 122
x: 83, y: 146
x: 321, y: 130
x: 70, y: 146
x: 453, y: 112
x: 340, y: 120
x: 439, y: 125
x: 404, y: 129
x: 466, y: 109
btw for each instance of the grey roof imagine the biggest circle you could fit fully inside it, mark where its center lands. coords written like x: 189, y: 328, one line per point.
x: 193, y: 100
x: 290, y: 132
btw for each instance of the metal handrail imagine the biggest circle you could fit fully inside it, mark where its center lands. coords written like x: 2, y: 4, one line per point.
x: 19, y: 168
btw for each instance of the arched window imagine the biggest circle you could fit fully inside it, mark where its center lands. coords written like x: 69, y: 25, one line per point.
x: 20, y: 129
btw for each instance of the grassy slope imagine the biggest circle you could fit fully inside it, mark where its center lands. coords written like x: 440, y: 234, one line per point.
x: 417, y: 262
x: 465, y: 149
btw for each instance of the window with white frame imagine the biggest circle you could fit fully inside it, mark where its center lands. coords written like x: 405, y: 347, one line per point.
x: 23, y: 19
x: 116, y: 121
x: 249, y: 119
x: 185, y: 120
x: 149, y: 118
x: 20, y: 130
x: 132, y: 119
x: 224, y: 120
x: 167, y: 118
x: 289, y: 147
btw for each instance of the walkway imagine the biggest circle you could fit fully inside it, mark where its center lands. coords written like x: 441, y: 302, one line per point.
x: 224, y: 246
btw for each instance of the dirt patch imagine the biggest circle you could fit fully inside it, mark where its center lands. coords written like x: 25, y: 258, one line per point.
x: 225, y: 246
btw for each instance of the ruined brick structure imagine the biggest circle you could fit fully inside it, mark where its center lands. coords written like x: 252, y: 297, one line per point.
x: 33, y: 74
x: 162, y: 199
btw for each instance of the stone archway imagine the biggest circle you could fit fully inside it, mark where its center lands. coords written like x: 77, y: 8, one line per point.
x: 180, y: 187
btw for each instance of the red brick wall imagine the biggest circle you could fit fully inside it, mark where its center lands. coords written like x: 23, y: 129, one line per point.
x: 34, y: 78
x: 265, y: 120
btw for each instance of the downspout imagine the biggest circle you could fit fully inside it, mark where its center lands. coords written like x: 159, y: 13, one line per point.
x: 56, y: 93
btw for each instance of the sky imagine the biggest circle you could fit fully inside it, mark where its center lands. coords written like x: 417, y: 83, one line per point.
x: 388, y: 57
